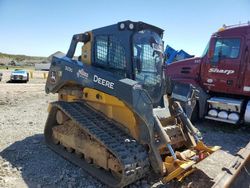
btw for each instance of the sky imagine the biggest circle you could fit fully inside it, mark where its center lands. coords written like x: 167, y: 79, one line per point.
x: 40, y: 28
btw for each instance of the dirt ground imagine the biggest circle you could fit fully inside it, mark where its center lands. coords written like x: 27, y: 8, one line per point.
x: 25, y: 160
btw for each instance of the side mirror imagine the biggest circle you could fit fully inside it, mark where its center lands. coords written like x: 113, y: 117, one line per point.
x: 210, y: 53
x: 211, y: 49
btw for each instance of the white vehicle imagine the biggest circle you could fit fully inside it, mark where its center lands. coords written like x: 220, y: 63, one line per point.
x: 19, y: 75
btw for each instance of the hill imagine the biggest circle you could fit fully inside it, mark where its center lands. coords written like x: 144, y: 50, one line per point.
x: 6, y: 59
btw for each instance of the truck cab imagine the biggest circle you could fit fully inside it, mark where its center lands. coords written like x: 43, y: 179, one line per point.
x: 221, y: 74
x: 225, y: 65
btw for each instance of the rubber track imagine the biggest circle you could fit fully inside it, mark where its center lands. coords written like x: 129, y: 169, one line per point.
x: 131, y: 155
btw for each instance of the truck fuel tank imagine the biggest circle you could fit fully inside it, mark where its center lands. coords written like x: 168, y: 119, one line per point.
x: 224, y: 109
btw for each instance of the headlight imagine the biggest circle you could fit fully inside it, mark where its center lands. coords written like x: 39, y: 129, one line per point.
x: 131, y: 26
x: 122, y: 26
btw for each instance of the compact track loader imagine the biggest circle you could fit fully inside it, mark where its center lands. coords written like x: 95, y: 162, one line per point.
x: 112, y: 118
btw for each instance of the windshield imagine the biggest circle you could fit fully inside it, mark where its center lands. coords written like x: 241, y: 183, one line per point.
x: 19, y: 72
x: 226, y: 48
x: 148, y: 61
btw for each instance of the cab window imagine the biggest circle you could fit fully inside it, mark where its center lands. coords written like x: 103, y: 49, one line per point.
x: 110, y: 54
x: 101, y: 50
x: 226, y: 49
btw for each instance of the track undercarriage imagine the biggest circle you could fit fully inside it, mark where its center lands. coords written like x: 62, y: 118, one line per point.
x: 96, y: 144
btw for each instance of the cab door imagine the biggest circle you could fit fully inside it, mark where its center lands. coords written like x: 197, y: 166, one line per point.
x: 221, y: 70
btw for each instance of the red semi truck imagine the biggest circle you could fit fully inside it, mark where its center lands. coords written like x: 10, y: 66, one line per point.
x: 221, y: 75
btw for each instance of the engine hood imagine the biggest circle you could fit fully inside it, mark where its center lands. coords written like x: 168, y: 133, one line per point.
x: 185, y: 69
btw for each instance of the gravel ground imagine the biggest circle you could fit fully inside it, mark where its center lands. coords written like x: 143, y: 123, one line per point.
x: 229, y: 137
x: 25, y: 160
